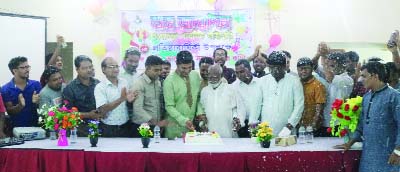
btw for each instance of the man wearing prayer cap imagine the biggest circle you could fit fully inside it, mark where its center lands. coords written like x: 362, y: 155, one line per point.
x: 283, y: 98
x: 314, y: 95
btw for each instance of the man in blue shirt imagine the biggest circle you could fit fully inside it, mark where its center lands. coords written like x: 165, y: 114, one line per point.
x: 21, y: 95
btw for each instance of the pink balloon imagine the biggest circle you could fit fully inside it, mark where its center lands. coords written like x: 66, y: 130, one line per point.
x: 275, y: 40
x: 112, y: 45
x: 218, y: 5
x: 272, y: 49
x: 111, y: 54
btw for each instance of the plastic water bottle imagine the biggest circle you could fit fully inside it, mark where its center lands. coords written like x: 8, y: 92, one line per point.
x: 73, y: 137
x: 302, y: 135
x: 157, y: 134
x: 309, y: 134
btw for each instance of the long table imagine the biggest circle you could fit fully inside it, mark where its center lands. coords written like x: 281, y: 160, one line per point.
x: 127, y: 154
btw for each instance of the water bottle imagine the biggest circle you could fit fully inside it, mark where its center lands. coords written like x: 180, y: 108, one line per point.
x: 302, y: 135
x: 309, y: 134
x: 73, y: 137
x: 157, y: 134
x: 52, y: 135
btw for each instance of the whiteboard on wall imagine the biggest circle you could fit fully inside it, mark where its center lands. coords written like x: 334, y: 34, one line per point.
x: 22, y: 35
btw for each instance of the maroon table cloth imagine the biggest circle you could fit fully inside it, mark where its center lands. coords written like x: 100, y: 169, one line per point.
x: 38, y: 160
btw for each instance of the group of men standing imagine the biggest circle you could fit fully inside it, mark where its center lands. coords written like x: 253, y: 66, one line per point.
x: 219, y: 98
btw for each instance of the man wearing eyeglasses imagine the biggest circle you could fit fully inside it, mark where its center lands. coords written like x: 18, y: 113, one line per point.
x: 51, y: 94
x: 21, y: 95
x: 111, y: 96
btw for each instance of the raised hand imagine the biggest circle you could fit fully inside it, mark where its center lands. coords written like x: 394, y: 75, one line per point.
x: 35, y: 97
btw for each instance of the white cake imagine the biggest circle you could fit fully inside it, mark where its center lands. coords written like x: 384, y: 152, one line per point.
x: 203, y: 138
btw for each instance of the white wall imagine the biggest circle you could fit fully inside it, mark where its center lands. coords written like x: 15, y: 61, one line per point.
x: 303, y: 23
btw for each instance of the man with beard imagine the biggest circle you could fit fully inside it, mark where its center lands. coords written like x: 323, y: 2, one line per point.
x: 54, y: 59
x: 21, y: 95
x: 220, y: 56
x: 314, y: 95
x: 283, y: 98
x: 204, y: 64
x: 165, y: 69
x: 130, y: 64
x: 51, y: 94
x: 80, y: 92
x: 250, y: 91
x: 259, y: 65
x: 222, y: 104
x: 181, y: 95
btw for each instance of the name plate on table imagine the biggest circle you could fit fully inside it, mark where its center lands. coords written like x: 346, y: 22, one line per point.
x: 29, y: 133
x: 285, y: 141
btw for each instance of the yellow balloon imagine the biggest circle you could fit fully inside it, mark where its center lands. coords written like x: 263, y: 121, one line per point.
x: 210, y: 2
x: 99, y: 49
x: 275, y: 4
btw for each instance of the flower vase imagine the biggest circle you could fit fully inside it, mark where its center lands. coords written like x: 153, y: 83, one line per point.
x: 265, y: 144
x: 145, y: 142
x: 93, y: 141
x: 62, y: 138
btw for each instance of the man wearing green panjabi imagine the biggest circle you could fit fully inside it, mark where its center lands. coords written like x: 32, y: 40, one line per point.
x: 181, y: 95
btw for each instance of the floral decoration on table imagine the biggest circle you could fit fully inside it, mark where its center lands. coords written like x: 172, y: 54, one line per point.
x: 55, y: 117
x: 144, y: 130
x: 264, y: 132
x: 345, y: 115
x: 94, y: 130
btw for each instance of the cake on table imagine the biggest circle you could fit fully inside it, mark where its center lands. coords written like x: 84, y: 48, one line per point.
x: 202, y: 138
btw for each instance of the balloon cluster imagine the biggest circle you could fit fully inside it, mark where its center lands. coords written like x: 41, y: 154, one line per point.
x: 110, y: 48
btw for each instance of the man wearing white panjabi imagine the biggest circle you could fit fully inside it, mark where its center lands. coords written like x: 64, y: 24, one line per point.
x: 283, y: 98
x: 221, y: 105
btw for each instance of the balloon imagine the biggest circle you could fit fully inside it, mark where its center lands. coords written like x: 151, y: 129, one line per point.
x: 219, y: 5
x: 272, y: 49
x: 275, y: 5
x: 275, y: 40
x: 112, y: 45
x: 110, y: 54
x: 211, y: 2
x: 99, y: 50
x: 95, y: 8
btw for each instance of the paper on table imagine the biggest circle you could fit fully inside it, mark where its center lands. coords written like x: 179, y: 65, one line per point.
x: 285, y: 132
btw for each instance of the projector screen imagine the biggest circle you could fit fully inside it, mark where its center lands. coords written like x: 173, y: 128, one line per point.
x: 22, y: 36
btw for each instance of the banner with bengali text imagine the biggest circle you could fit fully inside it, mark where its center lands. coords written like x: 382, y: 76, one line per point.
x: 200, y: 32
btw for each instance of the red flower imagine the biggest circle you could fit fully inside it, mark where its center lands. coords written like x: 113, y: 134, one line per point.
x: 343, y: 133
x: 355, y: 108
x: 337, y: 103
x: 347, y: 118
x: 347, y: 107
x: 339, y: 115
x: 329, y: 130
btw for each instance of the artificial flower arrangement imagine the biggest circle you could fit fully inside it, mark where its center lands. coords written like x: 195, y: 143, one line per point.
x: 94, y: 131
x: 253, y: 128
x: 345, y: 115
x: 144, y: 130
x: 264, y: 132
x: 56, y: 117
